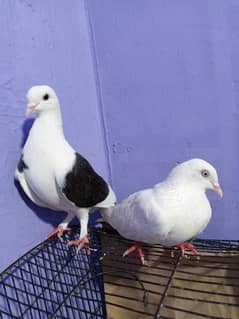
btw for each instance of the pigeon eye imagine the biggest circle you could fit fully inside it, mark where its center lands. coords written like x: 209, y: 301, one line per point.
x: 205, y: 173
x: 46, y: 97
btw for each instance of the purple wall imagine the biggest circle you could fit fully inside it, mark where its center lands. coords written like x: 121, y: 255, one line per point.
x: 42, y: 42
x: 169, y: 75
x: 142, y: 84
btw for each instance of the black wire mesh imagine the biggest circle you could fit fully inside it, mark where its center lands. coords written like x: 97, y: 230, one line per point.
x: 170, y: 286
x: 51, y: 281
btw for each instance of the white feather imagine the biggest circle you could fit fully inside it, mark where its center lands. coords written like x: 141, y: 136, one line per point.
x: 169, y: 213
x: 49, y: 158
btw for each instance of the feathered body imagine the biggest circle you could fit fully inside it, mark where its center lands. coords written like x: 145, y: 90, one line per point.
x: 50, y: 160
x: 51, y: 172
x: 169, y: 213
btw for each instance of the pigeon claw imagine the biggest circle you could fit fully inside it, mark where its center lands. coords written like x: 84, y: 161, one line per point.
x: 59, y: 230
x: 137, y: 246
x: 188, y: 246
x: 84, y: 241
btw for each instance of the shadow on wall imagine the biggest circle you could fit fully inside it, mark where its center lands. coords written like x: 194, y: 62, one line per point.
x: 26, y: 126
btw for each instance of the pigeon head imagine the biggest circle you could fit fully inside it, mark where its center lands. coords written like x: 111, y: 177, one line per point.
x: 41, y: 98
x: 200, y: 172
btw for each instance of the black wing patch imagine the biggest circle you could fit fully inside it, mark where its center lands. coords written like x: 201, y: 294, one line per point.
x: 83, y: 186
x: 21, y: 165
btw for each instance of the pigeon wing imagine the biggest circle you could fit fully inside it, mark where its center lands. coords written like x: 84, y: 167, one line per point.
x: 19, y: 175
x: 82, y: 186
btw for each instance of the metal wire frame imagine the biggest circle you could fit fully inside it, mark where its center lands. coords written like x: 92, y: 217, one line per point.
x: 176, y: 287
x: 51, y: 281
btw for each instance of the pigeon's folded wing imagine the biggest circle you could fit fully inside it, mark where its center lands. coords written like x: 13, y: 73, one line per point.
x: 82, y: 186
x: 28, y: 191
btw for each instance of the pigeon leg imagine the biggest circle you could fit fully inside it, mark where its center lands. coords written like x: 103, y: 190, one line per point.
x: 188, y: 246
x: 59, y: 230
x: 84, y: 241
x: 83, y: 216
x: 137, y: 246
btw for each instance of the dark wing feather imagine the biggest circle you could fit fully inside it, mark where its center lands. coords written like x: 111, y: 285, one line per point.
x: 21, y: 165
x: 83, y: 186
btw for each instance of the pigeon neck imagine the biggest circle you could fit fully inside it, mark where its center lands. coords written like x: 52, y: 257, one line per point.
x: 51, y: 118
x: 51, y: 121
x: 185, y: 183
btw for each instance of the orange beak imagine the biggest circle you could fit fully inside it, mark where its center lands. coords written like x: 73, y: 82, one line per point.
x: 30, y: 108
x: 218, y: 189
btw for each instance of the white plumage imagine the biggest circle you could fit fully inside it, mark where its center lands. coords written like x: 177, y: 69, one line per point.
x: 50, y: 171
x: 171, y: 212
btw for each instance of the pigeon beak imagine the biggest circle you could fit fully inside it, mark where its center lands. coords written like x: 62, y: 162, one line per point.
x: 217, y: 189
x: 30, y: 108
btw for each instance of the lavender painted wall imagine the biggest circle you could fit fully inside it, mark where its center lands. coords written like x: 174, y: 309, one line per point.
x: 42, y: 42
x: 142, y: 84
x: 168, y: 72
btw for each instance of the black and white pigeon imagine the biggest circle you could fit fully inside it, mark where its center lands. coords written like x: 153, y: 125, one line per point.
x: 52, y: 174
x: 170, y: 213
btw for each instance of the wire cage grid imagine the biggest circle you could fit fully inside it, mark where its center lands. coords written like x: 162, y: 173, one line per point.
x: 52, y: 281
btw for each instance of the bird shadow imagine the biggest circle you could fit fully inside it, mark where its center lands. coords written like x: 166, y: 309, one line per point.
x: 26, y: 127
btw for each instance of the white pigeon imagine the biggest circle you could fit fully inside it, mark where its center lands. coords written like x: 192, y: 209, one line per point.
x: 52, y: 174
x: 171, y: 212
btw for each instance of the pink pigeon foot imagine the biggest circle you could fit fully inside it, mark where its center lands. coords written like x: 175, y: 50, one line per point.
x: 84, y: 241
x: 188, y: 246
x: 137, y: 246
x: 59, y: 230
